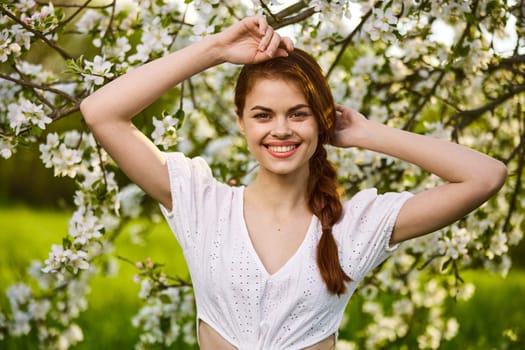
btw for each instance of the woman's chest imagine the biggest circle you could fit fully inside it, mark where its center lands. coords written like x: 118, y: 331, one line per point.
x: 233, y: 268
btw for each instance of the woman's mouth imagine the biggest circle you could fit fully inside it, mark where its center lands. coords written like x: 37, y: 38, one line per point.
x: 281, y: 149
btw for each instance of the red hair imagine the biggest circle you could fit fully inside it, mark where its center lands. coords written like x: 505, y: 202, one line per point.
x: 323, y: 197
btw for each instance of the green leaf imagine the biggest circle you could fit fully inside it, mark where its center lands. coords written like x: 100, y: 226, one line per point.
x: 66, y: 243
x: 74, y: 66
x: 180, y: 115
x: 446, y: 264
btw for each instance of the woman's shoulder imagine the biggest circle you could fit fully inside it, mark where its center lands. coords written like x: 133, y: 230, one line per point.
x: 365, y: 197
x: 193, y: 170
x: 361, y: 198
x: 371, y: 204
x: 181, y: 166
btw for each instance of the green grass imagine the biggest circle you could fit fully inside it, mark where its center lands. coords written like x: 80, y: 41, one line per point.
x: 26, y: 234
x: 497, y: 305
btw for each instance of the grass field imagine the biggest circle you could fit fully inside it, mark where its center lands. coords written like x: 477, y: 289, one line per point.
x: 25, y: 234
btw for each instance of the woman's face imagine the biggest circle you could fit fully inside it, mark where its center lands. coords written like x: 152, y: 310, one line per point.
x: 279, y: 126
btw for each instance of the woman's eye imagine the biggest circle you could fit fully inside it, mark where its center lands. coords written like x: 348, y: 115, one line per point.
x: 262, y: 116
x: 301, y: 114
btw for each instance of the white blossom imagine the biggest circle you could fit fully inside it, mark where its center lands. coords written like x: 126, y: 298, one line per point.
x: 97, y: 70
x: 65, y: 154
x: 38, y: 309
x: 431, y: 339
x: 2, y: 325
x: 155, y: 39
x: 165, y: 132
x: 455, y: 246
x: 130, y: 198
x: 498, y: 245
x: 20, y: 323
x: 119, y: 49
x: 91, y: 20
x: 25, y: 113
x: 25, y: 5
x: 85, y: 227
x: 60, y: 258
x: 345, y: 345
x: 6, y: 148
x: 21, y: 37
x: 381, y: 24
x: 145, y: 289
x: 451, y: 329
x: 19, y: 294
x: 74, y: 334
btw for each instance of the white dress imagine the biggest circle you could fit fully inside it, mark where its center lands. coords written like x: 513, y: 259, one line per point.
x: 235, y: 295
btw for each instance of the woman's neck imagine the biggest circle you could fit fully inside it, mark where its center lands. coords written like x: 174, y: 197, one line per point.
x: 284, y: 194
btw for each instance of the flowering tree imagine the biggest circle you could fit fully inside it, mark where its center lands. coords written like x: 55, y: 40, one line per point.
x: 450, y: 69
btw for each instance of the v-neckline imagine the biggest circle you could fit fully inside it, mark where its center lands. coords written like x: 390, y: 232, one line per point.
x: 253, y: 251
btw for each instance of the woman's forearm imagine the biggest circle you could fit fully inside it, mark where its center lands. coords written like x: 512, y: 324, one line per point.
x: 129, y: 94
x: 452, y: 162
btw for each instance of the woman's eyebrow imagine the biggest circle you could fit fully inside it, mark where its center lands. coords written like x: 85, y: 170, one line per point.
x: 266, y: 109
x: 292, y: 109
x: 297, y: 107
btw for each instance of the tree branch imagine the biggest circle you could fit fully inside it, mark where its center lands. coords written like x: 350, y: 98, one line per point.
x: 110, y: 23
x: 506, y: 62
x: 347, y: 42
x: 521, y: 145
x: 33, y: 85
x: 63, y: 5
x: 288, y: 15
x: 426, y: 98
x: 517, y: 187
x: 38, y: 34
x: 469, y: 116
x: 290, y: 10
x: 64, y: 112
x: 35, y: 91
x: 70, y: 18
x: 273, y: 19
x: 292, y: 19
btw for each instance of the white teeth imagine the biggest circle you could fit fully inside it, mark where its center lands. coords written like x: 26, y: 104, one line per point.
x: 282, y: 149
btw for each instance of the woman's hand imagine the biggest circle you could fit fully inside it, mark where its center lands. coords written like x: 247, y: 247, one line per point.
x: 251, y: 40
x: 349, y: 127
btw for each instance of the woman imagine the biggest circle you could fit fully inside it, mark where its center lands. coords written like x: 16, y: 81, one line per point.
x: 274, y: 264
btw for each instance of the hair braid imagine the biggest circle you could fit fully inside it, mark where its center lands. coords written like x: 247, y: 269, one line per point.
x: 325, y: 203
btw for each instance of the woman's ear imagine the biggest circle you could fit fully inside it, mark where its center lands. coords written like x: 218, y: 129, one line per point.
x: 240, y: 122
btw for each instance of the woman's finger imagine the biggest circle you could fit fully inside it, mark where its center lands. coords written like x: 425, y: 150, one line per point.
x: 262, y: 24
x: 287, y: 44
x: 273, y: 45
x: 342, y: 110
x: 266, y: 39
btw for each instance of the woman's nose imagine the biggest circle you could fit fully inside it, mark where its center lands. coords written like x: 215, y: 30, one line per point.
x: 281, y: 127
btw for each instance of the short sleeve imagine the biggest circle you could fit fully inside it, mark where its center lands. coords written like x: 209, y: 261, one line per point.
x: 191, y: 185
x: 364, y: 232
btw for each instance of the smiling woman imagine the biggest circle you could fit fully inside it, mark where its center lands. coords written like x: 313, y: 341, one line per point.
x: 278, y: 123
x: 273, y: 264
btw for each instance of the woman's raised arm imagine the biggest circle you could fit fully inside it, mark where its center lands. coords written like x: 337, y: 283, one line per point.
x: 109, y: 110
x: 471, y: 177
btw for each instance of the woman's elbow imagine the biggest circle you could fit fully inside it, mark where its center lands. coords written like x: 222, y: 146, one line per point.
x: 496, y: 176
x: 87, y: 111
